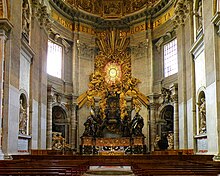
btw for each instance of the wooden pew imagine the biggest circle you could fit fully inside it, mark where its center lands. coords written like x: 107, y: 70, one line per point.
x: 178, y: 164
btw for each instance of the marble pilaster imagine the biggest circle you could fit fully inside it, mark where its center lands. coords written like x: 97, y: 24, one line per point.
x: 49, y: 116
x: 180, y: 15
x: 174, y: 90
x: 73, y: 140
x: 5, y: 27
x: 153, y: 106
x: 216, y: 22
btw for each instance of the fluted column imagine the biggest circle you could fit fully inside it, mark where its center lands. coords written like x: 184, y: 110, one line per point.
x: 5, y: 27
x: 49, y: 117
x: 152, y: 126
x: 180, y: 14
x: 193, y: 78
x: 73, y: 125
x: 174, y: 90
x: 152, y: 119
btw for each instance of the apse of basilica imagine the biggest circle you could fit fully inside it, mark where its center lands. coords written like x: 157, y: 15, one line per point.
x: 109, y: 77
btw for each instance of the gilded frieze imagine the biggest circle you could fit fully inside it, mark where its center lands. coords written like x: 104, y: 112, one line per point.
x: 61, y: 20
x: 80, y: 27
x: 163, y: 18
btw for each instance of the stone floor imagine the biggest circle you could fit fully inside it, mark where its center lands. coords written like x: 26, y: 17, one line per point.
x: 109, y: 170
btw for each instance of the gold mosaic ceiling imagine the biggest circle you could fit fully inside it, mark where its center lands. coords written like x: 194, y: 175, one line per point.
x: 112, y: 8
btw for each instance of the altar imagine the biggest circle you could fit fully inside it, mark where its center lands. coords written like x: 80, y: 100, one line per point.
x: 114, y: 126
x: 112, y: 146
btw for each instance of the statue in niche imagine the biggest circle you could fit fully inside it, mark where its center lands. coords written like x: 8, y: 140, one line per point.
x: 199, y: 17
x: 22, y: 118
x: 202, y: 116
x: 25, y: 19
x: 137, y: 124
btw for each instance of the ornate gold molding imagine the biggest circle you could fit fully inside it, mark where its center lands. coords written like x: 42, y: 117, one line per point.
x: 112, y: 75
x: 110, y: 8
x: 163, y: 18
x: 61, y: 20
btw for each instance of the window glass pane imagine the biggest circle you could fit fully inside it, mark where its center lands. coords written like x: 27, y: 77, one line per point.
x: 170, y: 58
x: 54, y: 59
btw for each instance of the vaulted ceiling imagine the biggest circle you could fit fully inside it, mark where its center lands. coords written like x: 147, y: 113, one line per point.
x: 112, y: 8
x: 120, y: 13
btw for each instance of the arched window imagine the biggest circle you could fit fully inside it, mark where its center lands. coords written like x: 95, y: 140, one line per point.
x: 54, y: 59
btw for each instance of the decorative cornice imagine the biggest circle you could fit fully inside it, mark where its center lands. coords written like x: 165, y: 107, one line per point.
x: 153, y: 98
x: 198, y: 46
x: 216, y: 21
x: 164, y: 38
x: 5, y: 27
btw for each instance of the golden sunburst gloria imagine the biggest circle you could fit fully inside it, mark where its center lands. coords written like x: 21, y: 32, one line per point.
x: 113, y: 73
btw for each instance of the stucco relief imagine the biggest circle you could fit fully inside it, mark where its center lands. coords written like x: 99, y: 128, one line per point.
x: 26, y: 19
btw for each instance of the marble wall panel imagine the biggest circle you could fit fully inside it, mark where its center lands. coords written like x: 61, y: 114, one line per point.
x: 190, y: 125
x: 43, y: 126
x: 13, y: 120
x: 24, y: 80
x: 34, y: 124
x: 211, y: 119
x: 181, y: 126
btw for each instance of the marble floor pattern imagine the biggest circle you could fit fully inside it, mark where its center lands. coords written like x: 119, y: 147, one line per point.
x: 109, y: 171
